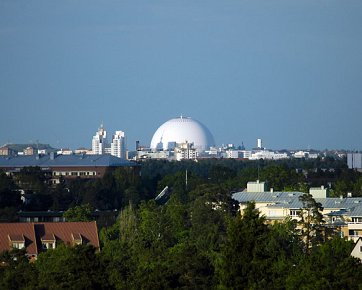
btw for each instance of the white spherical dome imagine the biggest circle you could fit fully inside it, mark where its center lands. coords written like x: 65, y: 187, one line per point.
x: 181, y: 130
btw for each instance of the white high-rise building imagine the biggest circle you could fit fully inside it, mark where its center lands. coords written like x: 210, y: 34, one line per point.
x: 185, y: 151
x: 259, y: 144
x: 118, y: 147
x: 99, y: 141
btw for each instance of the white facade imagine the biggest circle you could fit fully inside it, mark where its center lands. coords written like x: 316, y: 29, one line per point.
x: 259, y: 144
x: 265, y: 154
x: 246, y: 153
x: 256, y: 186
x: 185, y: 151
x: 181, y: 130
x: 144, y: 154
x: 305, y: 154
x: 99, y: 141
x: 319, y: 192
x: 232, y: 154
x: 65, y: 152
x: 354, y: 160
x: 300, y: 154
x: 357, y: 250
x: 118, y: 147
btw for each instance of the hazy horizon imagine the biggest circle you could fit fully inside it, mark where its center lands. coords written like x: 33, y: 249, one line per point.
x: 288, y: 72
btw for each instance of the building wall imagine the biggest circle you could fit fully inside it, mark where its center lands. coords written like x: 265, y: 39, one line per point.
x: 357, y: 250
x: 256, y: 186
x: 319, y: 192
x: 354, y: 160
x: 118, y: 147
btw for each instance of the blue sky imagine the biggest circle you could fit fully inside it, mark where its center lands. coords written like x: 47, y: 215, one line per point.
x: 289, y: 72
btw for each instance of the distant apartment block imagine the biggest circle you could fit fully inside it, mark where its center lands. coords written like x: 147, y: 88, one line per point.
x: 99, y: 141
x: 354, y: 160
x: 117, y: 147
x: 185, y: 151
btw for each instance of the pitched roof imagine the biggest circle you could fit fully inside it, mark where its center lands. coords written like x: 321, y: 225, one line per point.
x: 34, y: 233
x: 351, y: 206
x: 63, y: 231
x: 277, y: 196
x: 17, y: 229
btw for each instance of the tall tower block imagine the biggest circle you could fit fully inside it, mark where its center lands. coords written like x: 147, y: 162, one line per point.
x: 259, y: 144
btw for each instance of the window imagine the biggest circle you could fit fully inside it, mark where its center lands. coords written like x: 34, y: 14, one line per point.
x: 48, y: 245
x: 360, y: 249
x: 294, y: 212
x: 357, y: 219
x: 18, y: 245
x: 16, y: 241
x: 353, y: 233
x: 48, y: 241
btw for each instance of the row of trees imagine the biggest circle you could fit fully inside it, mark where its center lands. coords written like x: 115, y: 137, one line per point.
x: 197, y: 240
x: 117, y: 188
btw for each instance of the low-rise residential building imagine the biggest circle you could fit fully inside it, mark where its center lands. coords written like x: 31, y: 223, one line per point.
x: 39, y: 237
x: 343, y: 214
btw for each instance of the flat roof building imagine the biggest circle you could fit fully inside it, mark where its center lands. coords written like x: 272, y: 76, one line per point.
x: 67, y: 166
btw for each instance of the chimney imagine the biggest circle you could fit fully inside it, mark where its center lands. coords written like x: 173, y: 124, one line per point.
x: 349, y: 194
x: 271, y: 190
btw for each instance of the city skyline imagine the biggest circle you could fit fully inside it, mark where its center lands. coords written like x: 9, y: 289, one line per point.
x: 287, y: 72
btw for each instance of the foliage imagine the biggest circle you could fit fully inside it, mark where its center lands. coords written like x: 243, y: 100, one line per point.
x: 70, y: 268
x: 311, y: 221
x: 197, y: 239
x: 81, y: 213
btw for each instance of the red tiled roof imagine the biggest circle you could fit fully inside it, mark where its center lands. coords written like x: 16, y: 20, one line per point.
x: 17, y: 229
x: 16, y: 238
x: 63, y: 231
x: 35, y: 233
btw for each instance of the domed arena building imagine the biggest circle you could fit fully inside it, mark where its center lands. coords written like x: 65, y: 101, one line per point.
x: 181, y: 130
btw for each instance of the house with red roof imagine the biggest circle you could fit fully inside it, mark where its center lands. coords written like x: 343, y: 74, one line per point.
x: 39, y: 237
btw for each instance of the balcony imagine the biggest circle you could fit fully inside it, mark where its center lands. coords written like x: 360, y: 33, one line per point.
x: 354, y: 226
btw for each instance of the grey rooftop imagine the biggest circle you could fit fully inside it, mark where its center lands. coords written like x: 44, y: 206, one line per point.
x: 351, y: 206
x: 74, y: 160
